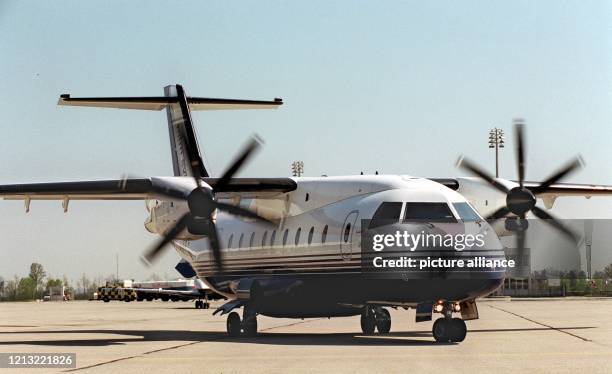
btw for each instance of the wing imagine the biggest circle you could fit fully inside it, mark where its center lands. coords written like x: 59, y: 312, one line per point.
x: 161, y: 291
x: 137, y: 189
x: 573, y: 189
x: 466, y: 186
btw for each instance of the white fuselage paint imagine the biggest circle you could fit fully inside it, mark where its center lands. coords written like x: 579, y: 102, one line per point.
x: 318, y: 204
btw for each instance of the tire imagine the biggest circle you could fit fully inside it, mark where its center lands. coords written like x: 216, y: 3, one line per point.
x: 198, y: 304
x: 442, y: 330
x: 250, y: 328
x: 206, y: 305
x: 368, y: 323
x: 106, y: 299
x: 127, y: 299
x: 149, y: 299
x: 383, y: 321
x: 233, y: 324
x: 459, y: 330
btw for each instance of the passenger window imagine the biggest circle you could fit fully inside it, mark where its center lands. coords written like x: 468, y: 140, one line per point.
x: 252, y: 240
x: 310, y: 235
x: 347, y: 232
x: 324, y: 235
x: 272, y: 237
x: 240, y: 240
x: 387, y: 213
x: 263, y: 238
x: 229, y: 242
x: 297, y: 235
x: 428, y: 212
x: 285, y: 235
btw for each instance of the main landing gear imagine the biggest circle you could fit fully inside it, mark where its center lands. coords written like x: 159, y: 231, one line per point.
x: 202, y: 304
x: 375, y: 318
x: 246, y: 327
x: 448, y: 329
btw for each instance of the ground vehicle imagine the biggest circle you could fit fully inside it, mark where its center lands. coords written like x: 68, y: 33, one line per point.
x: 108, y: 293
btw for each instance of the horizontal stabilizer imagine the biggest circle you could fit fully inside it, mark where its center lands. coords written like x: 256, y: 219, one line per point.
x: 161, y: 102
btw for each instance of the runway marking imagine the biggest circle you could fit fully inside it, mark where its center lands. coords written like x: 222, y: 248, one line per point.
x: 183, y: 345
x: 541, y: 324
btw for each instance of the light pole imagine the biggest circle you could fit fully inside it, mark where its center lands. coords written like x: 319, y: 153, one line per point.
x: 297, y: 168
x: 496, y: 140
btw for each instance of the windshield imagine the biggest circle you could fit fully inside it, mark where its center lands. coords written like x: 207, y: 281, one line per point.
x: 387, y: 213
x: 428, y: 212
x: 466, y: 213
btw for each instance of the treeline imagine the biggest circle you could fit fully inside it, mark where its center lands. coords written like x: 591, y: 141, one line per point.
x: 38, y: 283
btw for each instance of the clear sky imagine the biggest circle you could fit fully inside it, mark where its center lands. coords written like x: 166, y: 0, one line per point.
x: 398, y: 87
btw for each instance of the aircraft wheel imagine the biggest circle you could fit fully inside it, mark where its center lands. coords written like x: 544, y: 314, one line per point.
x: 249, y: 327
x: 383, y: 321
x: 106, y: 299
x: 205, y: 305
x: 233, y: 324
x: 127, y: 299
x: 368, y: 323
x: 198, y: 304
x: 442, y: 330
x: 459, y: 330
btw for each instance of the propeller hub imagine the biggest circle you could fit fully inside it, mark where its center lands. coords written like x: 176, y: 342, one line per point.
x: 520, y: 200
x: 201, y: 202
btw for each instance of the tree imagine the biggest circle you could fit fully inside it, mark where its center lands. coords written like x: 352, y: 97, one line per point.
x: 26, y: 288
x: 53, y: 283
x: 37, y: 274
x: 608, y: 271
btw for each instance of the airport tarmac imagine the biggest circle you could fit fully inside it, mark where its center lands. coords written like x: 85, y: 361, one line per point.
x: 511, y: 336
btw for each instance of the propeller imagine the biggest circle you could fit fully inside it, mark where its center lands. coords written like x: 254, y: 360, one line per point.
x: 521, y: 200
x: 202, y: 205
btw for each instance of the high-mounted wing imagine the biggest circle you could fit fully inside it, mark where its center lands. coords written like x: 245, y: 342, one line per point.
x: 137, y: 189
x: 572, y: 189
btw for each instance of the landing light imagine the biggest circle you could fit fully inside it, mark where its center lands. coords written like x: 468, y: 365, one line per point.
x: 439, y: 307
x: 456, y: 307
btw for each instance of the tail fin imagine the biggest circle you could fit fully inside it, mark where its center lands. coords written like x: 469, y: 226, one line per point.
x: 186, y: 156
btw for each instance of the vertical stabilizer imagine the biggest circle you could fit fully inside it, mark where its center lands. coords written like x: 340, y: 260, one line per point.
x: 183, y: 140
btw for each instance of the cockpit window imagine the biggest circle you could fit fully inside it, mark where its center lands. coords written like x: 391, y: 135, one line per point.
x: 387, y: 213
x: 428, y: 212
x: 466, y: 213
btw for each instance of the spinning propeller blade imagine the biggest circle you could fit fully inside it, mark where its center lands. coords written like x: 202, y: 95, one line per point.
x: 520, y: 200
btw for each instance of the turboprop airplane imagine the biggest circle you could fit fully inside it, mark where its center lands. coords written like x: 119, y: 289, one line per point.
x: 290, y: 247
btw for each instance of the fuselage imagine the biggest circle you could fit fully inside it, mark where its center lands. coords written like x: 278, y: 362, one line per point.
x: 308, y: 263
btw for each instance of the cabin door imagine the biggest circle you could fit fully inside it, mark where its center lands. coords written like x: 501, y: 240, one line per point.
x: 346, y: 235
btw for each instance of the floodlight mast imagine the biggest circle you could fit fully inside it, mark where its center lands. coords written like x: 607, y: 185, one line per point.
x: 496, y: 140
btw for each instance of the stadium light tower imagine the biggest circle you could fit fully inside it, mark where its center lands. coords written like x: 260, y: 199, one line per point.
x: 297, y: 168
x: 496, y: 140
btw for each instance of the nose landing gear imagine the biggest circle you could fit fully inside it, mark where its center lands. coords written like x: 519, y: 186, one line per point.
x: 448, y: 329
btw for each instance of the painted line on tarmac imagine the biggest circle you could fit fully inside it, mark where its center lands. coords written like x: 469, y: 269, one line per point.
x: 223, y: 336
x: 541, y: 324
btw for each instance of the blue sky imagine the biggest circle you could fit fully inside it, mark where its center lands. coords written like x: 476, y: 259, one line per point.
x: 399, y: 87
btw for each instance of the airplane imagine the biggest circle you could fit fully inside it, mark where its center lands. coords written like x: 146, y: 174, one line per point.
x: 290, y: 247
x: 182, y: 289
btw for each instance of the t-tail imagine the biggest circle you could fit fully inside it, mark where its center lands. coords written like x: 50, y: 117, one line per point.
x: 183, y: 139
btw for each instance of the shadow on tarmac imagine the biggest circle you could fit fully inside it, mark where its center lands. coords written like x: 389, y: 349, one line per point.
x: 332, y: 339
